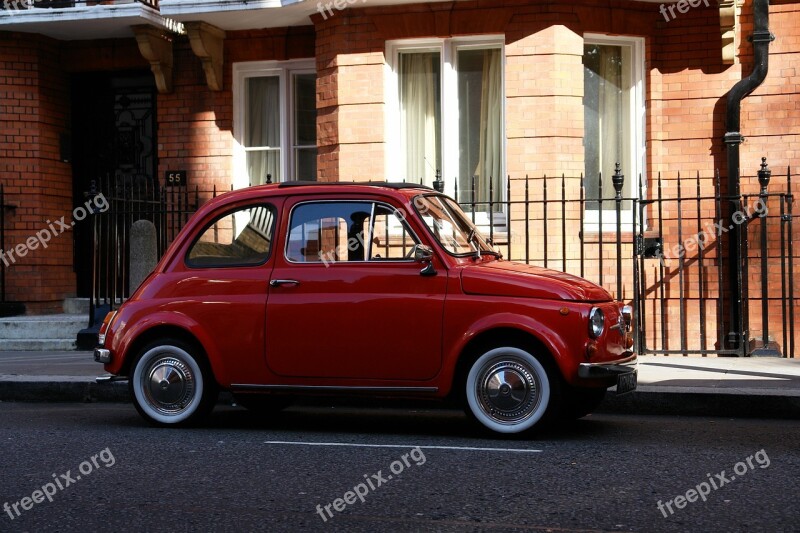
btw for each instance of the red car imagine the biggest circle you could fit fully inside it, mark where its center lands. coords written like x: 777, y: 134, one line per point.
x: 383, y: 290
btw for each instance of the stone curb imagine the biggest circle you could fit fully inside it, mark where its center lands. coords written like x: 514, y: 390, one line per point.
x: 719, y: 404
x: 44, y: 390
x: 710, y: 402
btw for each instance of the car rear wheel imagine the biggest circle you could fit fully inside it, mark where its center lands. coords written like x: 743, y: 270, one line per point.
x: 171, y: 384
x: 509, y: 391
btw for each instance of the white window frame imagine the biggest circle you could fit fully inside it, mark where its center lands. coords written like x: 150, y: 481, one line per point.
x: 636, y: 166
x: 448, y: 50
x: 283, y: 70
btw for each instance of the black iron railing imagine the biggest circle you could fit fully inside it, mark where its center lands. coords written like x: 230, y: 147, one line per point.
x: 3, y: 208
x: 663, y: 250
x: 7, y: 307
x: 167, y: 208
x: 659, y: 246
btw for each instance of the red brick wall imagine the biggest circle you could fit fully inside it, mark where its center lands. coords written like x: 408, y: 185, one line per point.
x: 194, y: 134
x: 686, y: 80
x: 34, y: 111
x: 195, y: 124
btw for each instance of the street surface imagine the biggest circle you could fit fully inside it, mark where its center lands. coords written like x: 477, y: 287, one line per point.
x: 105, y: 470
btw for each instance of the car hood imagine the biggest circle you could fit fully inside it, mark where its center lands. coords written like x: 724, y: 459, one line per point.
x: 507, y: 278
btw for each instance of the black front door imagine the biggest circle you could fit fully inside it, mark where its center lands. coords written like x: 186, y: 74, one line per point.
x: 114, y: 139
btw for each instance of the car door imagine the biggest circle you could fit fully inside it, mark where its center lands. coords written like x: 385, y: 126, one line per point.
x: 348, y: 301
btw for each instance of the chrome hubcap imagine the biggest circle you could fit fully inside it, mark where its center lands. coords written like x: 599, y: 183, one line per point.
x: 508, y: 392
x: 169, y: 385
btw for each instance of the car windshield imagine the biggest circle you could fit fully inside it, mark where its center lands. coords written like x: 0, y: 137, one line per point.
x: 450, y: 226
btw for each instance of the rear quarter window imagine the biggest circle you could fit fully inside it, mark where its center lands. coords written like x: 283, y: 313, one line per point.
x: 242, y: 237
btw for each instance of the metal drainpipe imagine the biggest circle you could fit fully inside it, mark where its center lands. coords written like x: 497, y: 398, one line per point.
x: 733, y: 138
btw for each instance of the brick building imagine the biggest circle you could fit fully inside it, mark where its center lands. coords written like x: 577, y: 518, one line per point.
x: 484, y: 92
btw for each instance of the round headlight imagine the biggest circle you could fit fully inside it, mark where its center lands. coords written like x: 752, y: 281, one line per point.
x: 597, y: 322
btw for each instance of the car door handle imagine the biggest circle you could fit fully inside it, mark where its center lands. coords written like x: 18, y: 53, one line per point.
x: 280, y: 282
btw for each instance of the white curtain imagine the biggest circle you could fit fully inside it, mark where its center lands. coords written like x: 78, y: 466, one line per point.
x: 490, y: 164
x: 263, y: 129
x: 419, y: 121
x: 610, y: 106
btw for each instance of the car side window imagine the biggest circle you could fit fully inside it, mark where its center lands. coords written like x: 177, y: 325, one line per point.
x: 238, y: 238
x: 391, y: 238
x: 329, y: 232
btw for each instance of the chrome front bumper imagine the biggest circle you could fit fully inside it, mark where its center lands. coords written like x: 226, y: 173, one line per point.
x: 101, y: 355
x: 608, y: 369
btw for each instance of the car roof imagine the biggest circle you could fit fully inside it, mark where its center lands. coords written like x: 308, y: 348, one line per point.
x: 382, y: 184
x: 399, y: 190
x: 306, y: 188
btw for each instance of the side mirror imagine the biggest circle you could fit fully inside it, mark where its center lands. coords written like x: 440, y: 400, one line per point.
x: 424, y: 254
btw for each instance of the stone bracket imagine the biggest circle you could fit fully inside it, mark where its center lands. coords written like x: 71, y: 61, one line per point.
x: 208, y: 44
x: 728, y: 22
x: 155, y: 45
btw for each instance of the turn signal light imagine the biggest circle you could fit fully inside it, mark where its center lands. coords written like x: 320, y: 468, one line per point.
x: 591, y: 350
x: 101, y: 336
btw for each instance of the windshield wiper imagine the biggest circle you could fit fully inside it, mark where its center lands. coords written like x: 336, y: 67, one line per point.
x: 472, y: 238
x: 495, y: 253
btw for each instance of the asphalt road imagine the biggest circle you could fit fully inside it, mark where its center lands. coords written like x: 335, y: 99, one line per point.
x: 107, y: 471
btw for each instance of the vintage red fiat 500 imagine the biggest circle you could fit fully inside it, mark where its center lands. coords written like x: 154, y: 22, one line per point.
x: 384, y: 290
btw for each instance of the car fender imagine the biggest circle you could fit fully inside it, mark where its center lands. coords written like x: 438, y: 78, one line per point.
x: 546, y: 335
x: 142, y: 325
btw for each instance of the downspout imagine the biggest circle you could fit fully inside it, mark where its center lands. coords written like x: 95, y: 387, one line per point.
x: 733, y: 138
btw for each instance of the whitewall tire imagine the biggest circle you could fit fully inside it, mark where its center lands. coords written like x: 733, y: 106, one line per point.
x: 169, y: 385
x: 509, y: 391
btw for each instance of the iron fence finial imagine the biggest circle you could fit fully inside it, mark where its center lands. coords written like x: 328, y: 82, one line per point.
x: 764, y: 175
x: 618, y: 179
x: 438, y: 183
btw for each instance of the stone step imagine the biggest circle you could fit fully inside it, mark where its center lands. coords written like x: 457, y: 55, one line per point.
x: 42, y: 327
x: 37, y: 345
x: 80, y: 306
x: 76, y: 306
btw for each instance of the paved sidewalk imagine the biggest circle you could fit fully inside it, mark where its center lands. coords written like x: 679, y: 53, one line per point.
x: 759, y: 387
x: 730, y: 386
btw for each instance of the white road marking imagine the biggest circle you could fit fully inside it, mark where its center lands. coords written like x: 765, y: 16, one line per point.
x: 424, y: 447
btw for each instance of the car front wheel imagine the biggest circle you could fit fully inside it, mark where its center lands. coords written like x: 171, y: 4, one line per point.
x: 508, y: 391
x: 170, y: 384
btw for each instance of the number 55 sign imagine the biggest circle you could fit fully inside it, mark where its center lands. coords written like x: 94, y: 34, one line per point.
x: 175, y: 178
